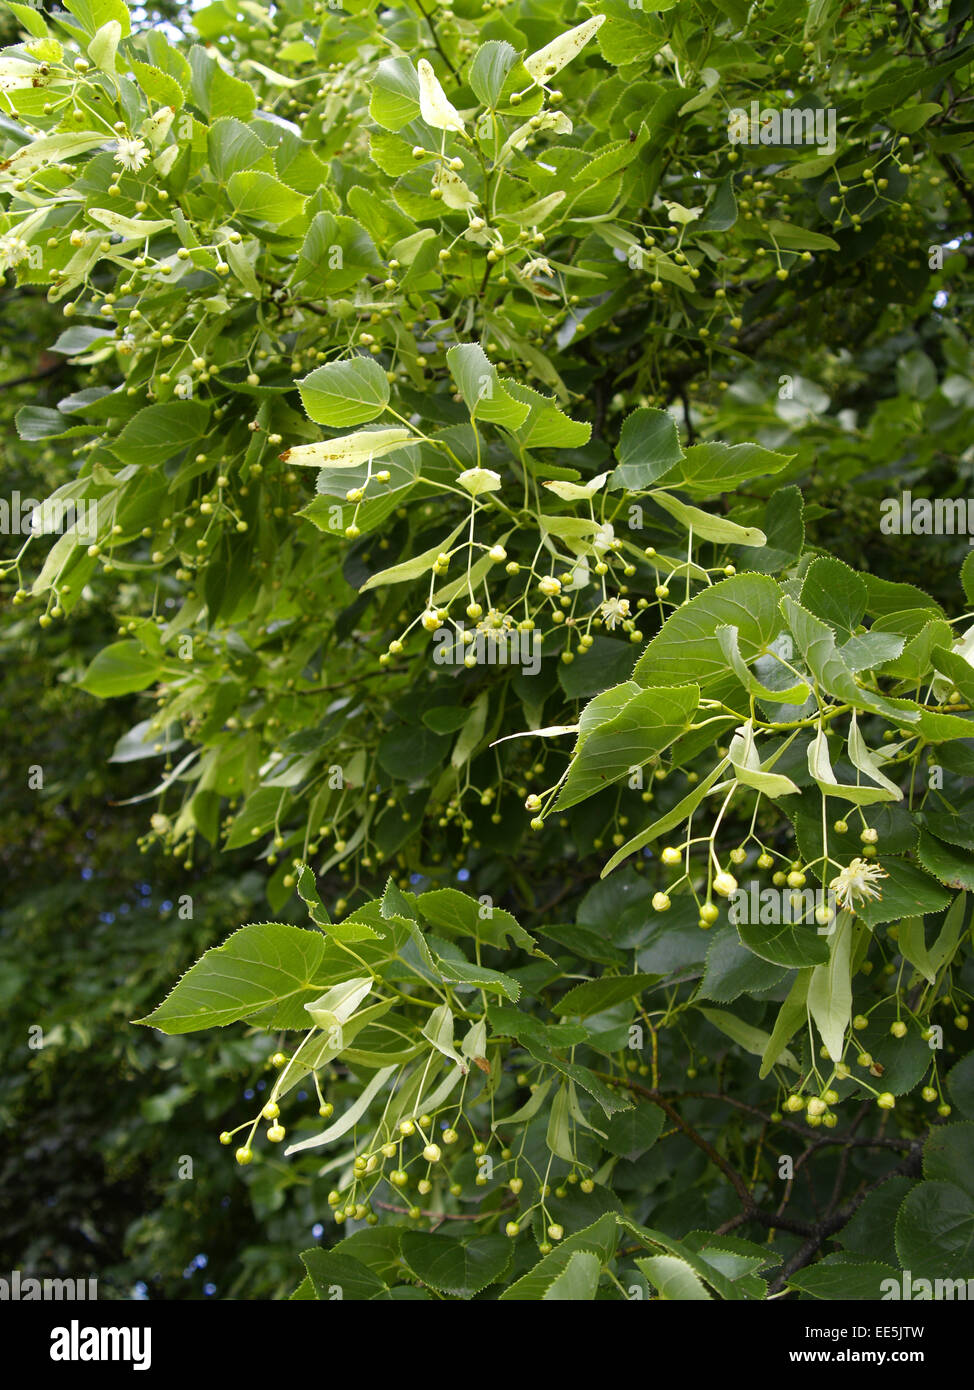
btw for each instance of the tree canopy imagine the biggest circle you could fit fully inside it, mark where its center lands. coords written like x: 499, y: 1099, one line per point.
x: 488, y: 557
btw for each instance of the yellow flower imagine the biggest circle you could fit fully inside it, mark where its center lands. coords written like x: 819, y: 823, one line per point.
x: 855, y: 883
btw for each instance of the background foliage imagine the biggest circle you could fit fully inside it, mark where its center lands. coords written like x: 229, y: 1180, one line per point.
x: 349, y: 351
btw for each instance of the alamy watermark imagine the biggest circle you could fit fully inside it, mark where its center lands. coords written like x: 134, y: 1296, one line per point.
x: 26, y: 516
x: 18, y: 1288
x: 792, y: 126
x: 488, y: 647
x: 907, y: 515
x: 909, y: 1289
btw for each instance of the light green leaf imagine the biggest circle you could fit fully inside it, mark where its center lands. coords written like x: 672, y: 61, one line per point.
x: 674, y: 1278
x: 578, y: 1282
x: 129, y: 226
x: 263, y: 197
x: 350, y: 392
x: 265, y: 972
x: 647, y: 724
x: 820, y: 766
x: 414, y: 567
x: 830, y: 988
x: 120, y: 669
x: 351, y: 1116
x: 545, y: 62
x: 558, y: 1136
x: 791, y: 1017
x: 348, y: 451
x: 730, y: 646
x: 481, y: 388
x: 395, y: 93
x: 160, y: 432
x: 706, y: 526
x: 648, y: 449
x: 438, y: 1030
x: 749, y: 770
x: 679, y: 813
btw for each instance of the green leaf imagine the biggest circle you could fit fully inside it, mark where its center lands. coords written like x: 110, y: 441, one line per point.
x: 545, y: 427
x: 709, y: 469
x: 953, y: 867
x: 265, y: 972
x: 233, y: 147
x: 708, y: 527
x: 336, y: 254
x: 578, y: 1282
x: 350, y: 392
x: 263, y: 197
x: 648, y: 448
x: 92, y: 14
x: 609, y: 1100
x: 830, y: 988
x: 648, y: 723
x: 848, y: 1280
x: 489, y: 69
x: 395, y: 93
x: 791, y: 1017
x: 481, y: 388
x: 784, y: 944
x: 935, y: 1232
x: 674, y: 1278
x: 158, y: 86
x: 594, y: 996
x: 599, y: 1239
x: 947, y: 1155
x: 753, y: 1040
x: 215, y: 91
x: 336, y: 1276
x: 461, y: 972
x: 633, y: 1132
x: 784, y: 525
x: 160, y: 432
x: 687, y: 647
x: 453, y: 913
x: 960, y: 1084
x: 816, y: 642
x: 452, y: 1266
x: 835, y: 593
x: 120, y: 669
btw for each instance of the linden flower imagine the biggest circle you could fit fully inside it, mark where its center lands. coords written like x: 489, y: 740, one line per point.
x: 539, y: 266
x: 855, y: 883
x: 13, y: 249
x: 131, y: 154
x: 614, y: 609
x: 604, y: 538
